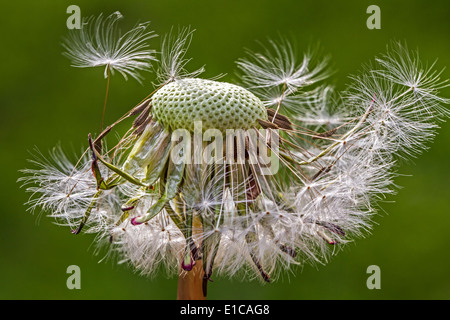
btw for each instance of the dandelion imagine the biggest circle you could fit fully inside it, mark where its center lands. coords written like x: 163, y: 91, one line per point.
x: 214, y: 178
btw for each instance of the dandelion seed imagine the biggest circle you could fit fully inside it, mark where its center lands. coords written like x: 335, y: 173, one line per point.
x: 100, y: 43
x: 278, y: 66
x: 405, y: 68
x: 173, y: 51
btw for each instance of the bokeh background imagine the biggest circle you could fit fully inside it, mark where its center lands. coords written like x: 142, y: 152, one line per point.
x: 44, y: 102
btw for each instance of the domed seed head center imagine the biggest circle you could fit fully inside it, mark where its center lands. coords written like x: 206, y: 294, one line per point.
x: 218, y: 105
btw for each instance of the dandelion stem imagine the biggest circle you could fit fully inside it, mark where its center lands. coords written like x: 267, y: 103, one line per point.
x: 191, y: 284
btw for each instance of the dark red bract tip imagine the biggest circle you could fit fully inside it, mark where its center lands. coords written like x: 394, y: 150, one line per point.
x: 127, y: 208
x: 187, y: 267
x: 134, y: 222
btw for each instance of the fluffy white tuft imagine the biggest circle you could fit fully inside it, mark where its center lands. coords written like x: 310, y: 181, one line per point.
x: 101, y: 43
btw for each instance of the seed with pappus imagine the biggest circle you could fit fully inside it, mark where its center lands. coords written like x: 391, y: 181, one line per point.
x: 101, y: 43
x: 249, y: 179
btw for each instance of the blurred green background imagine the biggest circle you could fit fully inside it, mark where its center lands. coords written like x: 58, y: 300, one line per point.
x: 44, y: 101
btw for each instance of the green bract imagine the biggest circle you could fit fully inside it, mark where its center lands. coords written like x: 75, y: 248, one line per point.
x: 218, y: 105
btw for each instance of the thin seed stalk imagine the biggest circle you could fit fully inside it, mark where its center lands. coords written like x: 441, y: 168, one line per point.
x: 108, y: 72
x: 345, y: 136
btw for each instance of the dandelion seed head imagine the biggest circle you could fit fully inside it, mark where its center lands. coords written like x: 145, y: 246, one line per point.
x: 218, y: 105
x: 337, y: 155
